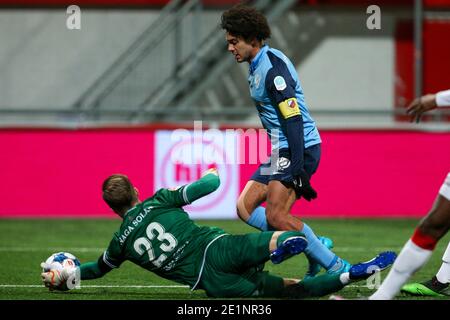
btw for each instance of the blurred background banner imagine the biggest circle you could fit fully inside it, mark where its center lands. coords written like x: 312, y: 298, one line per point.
x: 182, y: 158
x: 59, y: 173
x: 79, y: 104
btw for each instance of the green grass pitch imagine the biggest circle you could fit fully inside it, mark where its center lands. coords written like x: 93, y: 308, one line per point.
x: 26, y: 243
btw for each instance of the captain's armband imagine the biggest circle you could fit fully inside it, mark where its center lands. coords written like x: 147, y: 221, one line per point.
x: 289, y: 108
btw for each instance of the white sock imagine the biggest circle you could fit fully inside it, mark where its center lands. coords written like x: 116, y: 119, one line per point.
x: 443, y: 274
x: 410, y: 259
x: 345, y: 278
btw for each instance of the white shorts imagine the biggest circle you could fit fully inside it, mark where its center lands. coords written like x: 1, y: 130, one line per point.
x: 445, y: 189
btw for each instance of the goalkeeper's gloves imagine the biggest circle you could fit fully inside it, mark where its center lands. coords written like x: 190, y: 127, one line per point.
x: 211, y: 170
x: 62, y: 280
x: 303, y: 188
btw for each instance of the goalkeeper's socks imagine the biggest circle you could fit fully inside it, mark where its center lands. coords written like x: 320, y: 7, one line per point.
x: 443, y: 274
x: 410, y: 259
x: 314, y: 287
x: 317, y: 251
x: 258, y: 219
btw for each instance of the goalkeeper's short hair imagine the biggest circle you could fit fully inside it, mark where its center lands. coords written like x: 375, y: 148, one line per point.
x: 118, y: 192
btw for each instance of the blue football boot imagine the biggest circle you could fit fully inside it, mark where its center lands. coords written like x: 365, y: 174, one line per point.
x: 289, y: 247
x: 364, y: 270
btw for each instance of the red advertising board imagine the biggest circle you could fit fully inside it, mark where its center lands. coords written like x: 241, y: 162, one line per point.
x: 58, y: 173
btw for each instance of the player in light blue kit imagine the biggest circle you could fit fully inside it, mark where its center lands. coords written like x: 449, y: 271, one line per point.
x: 278, y: 96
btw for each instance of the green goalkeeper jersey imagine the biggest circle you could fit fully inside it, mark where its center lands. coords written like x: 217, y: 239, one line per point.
x: 159, y: 236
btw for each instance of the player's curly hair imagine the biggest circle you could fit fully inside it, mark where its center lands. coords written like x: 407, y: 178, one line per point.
x: 246, y: 22
x: 118, y: 192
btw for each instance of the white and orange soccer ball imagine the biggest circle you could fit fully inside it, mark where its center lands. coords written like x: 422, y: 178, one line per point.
x: 59, y: 261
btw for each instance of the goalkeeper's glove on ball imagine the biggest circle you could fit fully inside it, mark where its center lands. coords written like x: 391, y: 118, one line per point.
x: 61, y: 280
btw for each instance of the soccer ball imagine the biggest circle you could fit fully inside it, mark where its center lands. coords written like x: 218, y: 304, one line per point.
x: 61, y: 260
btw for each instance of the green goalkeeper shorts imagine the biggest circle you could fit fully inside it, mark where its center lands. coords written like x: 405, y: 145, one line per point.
x: 233, y: 267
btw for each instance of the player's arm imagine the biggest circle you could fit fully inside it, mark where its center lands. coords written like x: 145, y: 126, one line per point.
x: 63, y: 279
x: 110, y: 259
x: 428, y: 102
x: 96, y: 269
x: 281, y: 89
x: 208, y: 183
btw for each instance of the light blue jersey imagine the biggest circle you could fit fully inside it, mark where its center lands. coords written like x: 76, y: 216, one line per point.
x: 273, y: 79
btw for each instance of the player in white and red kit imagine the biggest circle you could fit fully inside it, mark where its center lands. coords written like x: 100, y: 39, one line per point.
x: 433, y: 227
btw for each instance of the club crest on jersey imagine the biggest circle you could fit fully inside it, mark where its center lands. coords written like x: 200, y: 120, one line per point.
x: 283, y: 163
x: 279, y: 83
x: 292, y: 103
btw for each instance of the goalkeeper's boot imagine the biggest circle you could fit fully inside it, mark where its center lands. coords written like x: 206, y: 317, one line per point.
x: 314, y: 267
x: 289, y: 247
x: 364, y: 270
x: 431, y: 288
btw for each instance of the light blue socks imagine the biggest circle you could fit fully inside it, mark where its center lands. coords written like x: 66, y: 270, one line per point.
x: 317, y: 251
x: 258, y: 219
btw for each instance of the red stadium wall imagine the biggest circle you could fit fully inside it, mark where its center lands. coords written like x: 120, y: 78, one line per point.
x: 60, y: 173
x: 436, y: 62
x: 57, y: 173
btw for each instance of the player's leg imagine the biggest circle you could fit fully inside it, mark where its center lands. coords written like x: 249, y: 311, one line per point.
x: 436, y: 286
x: 256, y: 283
x: 279, y: 203
x: 250, y: 199
x: 234, y: 263
x: 248, y: 204
x: 275, y: 287
x: 443, y: 275
x: 233, y: 268
x: 262, y: 284
x: 419, y: 248
x: 280, y: 199
x: 442, y: 225
x: 235, y: 253
x: 328, y: 283
x: 436, y: 224
x: 269, y: 285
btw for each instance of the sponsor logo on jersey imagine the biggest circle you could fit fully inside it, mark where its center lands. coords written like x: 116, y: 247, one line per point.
x: 279, y: 83
x: 175, y: 257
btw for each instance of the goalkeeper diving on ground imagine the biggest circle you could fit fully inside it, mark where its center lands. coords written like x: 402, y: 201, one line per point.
x: 158, y: 235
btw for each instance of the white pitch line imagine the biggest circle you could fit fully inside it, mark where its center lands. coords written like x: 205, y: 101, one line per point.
x: 93, y: 286
x: 21, y: 286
